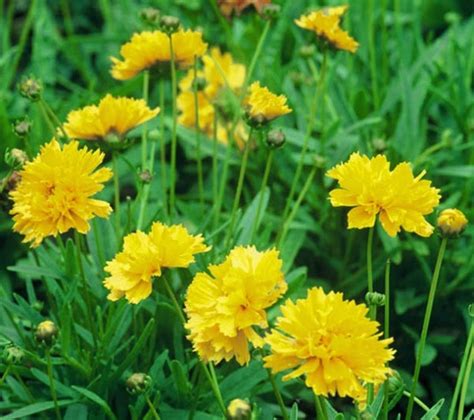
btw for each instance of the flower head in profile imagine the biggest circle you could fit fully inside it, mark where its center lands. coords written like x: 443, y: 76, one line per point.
x: 113, y: 116
x: 144, y: 256
x: 149, y: 49
x: 263, y: 105
x: 222, y: 79
x: 325, y: 23
x: 225, y: 307
x: 400, y: 199
x: 55, y: 192
x: 451, y: 222
x: 331, y: 342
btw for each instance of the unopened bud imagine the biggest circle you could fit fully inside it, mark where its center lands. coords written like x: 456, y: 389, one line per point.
x: 15, y: 158
x: 307, y: 51
x: 22, y: 127
x: 154, y: 135
x: 10, y: 183
x: 46, y: 333
x: 451, y: 222
x: 13, y: 355
x: 169, y: 24
x: 271, y: 11
x: 30, y: 88
x: 470, y: 310
x: 239, y: 410
x: 395, y: 384
x: 319, y: 161
x: 379, y: 144
x: 276, y: 139
x: 150, y: 16
x: 374, y: 298
x: 138, y: 383
x: 112, y: 138
x: 146, y: 176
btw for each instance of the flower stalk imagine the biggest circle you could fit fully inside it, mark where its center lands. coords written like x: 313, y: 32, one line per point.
x: 198, y: 136
x: 173, y: 131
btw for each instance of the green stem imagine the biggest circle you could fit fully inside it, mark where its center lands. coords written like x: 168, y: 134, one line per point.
x: 426, y: 323
x: 386, y: 330
x: 87, y: 297
x: 320, y: 405
x: 309, y: 128
x: 5, y: 374
x: 266, y: 173
x: 163, y: 148
x: 418, y: 402
x: 372, y: 307
x: 461, y: 373
x: 220, y: 197
x: 278, y: 396
x: 173, y: 132
x: 286, y: 225
x: 47, y: 118
x: 215, y: 188
x: 98, y: 244
x: 198, y: 137
x: 55, y: 120
x: 212, y: 379
x: 176, y: 304
x: 372, y: 56
x: 256, y: 54
x: 51, y: 384
x: 152, y: 407
x: 240, y: 183
x: 116, y: 196
x: 465, y: 384
x: 146, y: 84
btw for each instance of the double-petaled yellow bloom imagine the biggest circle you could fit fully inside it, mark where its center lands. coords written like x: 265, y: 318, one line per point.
x: 55, y: 190
x: 149, y: 49
x: 331, y: 342
x: 113, y: 116
x: 451, y: 222
x: 326, y: 24
x: 225, y: 307
x: 396, y: 196
x: 222, y: 81
x: 263, y: 105
x: 145, y: 255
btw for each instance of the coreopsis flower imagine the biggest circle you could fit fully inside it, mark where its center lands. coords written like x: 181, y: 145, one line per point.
x: 113, y: 116
x: 239, y: 410
x: 226, y: 306
x: 144, y: 256
x: 451, y: 222
x: 222, y: 81
x: 55, y: 190
x: 400, y: 199
x: 151, y: 48
x: 331, y: 342
x: 325, y: 23
x: 263, y: 105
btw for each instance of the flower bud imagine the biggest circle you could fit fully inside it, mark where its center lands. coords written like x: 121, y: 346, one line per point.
x: 270, y: 11
x: 307, y: 51
x: 380, y: 145
x: 22, y: 127
x: 169, y: 24
x: 46, y: 333
x: 395, y: 384
x: 112, y: 138
x: 239, y: 410
x: 10, y: 183
x: 145, y: 176
x: 451, y: 222
x: 276, y: 139
x: 15, y: 158
x: 138, y: 383
x: 374, y: 298
x: 319, y: 161
x: 150, y: 16
x: 154, y: 135
x: 13, y: 355
x: 30, y: 88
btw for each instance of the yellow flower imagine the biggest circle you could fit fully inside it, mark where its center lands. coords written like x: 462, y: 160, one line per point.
x: 145, y: 255
x: 148, y: 49
x: 331, y: 342
x: 400, y: 199
x: 54, y: 194
x: 325, y: 23
x: 452, y: 222
x: 263, y: 105
x: 221, y: 76
x: 224, y: 308
x: 111, y: 116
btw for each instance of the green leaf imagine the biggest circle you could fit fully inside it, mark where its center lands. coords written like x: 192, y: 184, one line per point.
x: 239, y: 383
x: 248, y: 219
x: 35, y: 408
x: 429, y: 354
x: 76, y: 412
x: 62, y: 390
x: 294, y: 412
x: 180, y: 379
x: 431, y: 414
x: 95, y: 398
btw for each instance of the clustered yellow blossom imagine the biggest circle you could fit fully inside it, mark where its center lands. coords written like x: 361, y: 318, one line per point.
x: 330, y: 341
x: 225, y: 307
x: 326, y: 24
x: 144, y: 256
x: 400, y: 199
x: 151, y: 48
x: 451, y: 222
x: 55, y: 190
x: 113, y: 116
x: 263, y: 105
x: 223, y: 80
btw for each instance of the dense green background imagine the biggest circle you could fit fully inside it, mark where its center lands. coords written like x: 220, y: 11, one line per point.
x: 422, y: 70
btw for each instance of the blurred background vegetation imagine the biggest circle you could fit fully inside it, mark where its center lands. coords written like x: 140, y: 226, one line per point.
x: 410, y: 97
